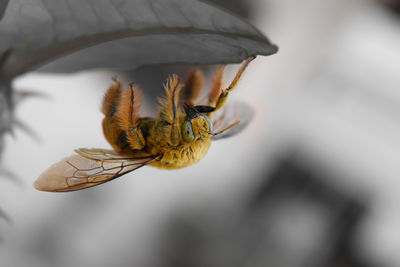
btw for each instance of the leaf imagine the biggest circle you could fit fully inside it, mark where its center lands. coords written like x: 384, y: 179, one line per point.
x: 122, y: 34
x: 3, y: 5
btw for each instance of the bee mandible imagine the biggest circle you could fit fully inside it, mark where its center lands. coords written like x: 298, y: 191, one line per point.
x: 179, y: 136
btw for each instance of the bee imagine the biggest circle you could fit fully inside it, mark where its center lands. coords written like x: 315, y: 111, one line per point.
x: 179, y: 136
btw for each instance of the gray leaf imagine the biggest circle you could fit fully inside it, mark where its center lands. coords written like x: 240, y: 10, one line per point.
x: 122, y: 34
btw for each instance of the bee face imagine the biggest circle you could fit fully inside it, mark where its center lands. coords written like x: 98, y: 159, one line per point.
x: 196, y: 126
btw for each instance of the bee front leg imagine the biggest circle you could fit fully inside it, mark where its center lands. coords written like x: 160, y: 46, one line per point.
x: 218, y: 97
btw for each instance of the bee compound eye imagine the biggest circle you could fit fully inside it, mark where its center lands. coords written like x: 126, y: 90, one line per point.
x: 187, y: 132
x: 209, y: 122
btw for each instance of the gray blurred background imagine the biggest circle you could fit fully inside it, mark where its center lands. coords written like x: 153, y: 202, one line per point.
x: 313, y: 181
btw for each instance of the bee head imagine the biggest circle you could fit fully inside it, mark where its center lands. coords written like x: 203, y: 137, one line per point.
x: 197, y: 125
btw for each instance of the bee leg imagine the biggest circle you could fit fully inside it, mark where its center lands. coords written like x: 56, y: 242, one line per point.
x: 170, y: 109
x: 127, y: 116
x: 216, y: 88
x: 111, y: 129
x: 193, y: 86
x: 217, y: 96
x: 111, y: 98
x: 135, y: 138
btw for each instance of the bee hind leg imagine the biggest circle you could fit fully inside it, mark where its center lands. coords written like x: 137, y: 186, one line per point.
x: 127, y: 116
x: 120, y: 108
x: 111, y: 129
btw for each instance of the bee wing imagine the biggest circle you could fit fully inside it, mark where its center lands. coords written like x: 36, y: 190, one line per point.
x: 230, y: 113
x: 89, y: 167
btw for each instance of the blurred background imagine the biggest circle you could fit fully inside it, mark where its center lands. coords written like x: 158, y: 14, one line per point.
x: 313, y: 180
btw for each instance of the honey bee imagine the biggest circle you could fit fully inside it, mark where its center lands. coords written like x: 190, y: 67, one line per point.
x: 179, y: 136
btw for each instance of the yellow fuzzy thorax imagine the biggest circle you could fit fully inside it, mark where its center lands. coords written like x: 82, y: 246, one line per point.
x: 183, y: 155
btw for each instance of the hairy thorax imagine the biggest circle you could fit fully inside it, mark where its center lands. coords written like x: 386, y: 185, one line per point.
x: 182, y: 155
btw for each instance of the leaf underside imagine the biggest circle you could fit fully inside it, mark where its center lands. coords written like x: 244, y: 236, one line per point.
x: 122, y: 34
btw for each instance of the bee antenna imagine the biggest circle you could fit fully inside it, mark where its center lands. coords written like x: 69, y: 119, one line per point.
x: 186, y: 106
x: 225, y: 129
x: 191, y: 112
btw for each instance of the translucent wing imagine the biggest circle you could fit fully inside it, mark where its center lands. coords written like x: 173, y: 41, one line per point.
x: 230, y: 113
x: 89, y: 167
